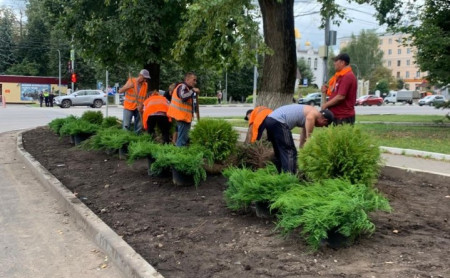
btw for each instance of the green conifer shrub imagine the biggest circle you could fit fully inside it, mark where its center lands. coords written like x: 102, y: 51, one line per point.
x: 264, y: 185
x: 56, y: 124
x: 114, y: 139
x: 93, y: 117
x: 341, y: 152
x: 218, y: 136
x: 142, y: 149
x: 77, y: 127
x: 111, y: 121
x: 328, y: 205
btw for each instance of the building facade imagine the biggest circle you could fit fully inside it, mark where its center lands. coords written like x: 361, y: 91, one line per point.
x: 399, y: 59
x: 311, y: 56
x: 26, y: 89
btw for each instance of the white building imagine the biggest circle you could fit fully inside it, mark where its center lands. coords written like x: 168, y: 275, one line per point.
x: 311, y: 56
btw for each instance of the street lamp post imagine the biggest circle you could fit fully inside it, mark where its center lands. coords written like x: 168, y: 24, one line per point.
x: 59, y: 72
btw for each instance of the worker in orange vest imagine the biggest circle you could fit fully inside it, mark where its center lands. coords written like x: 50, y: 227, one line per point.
x: 256, y: 125
x: 135, y: 94
x: 182, y: 107
x: 155, y: 114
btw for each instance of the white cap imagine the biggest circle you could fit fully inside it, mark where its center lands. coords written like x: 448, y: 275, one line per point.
x: 145, y: 73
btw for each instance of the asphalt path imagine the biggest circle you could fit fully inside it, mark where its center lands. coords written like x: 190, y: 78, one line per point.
x: 16, y: 116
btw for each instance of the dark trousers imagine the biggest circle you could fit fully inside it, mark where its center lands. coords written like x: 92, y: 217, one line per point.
x: 284, y: 148
x: 349, y: 120
x: 50, y: 100
x: 41, y: 100
x: 46, y: 101
x: 163, y: 124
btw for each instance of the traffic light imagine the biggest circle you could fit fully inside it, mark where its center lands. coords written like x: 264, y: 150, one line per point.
x: 74, y: 77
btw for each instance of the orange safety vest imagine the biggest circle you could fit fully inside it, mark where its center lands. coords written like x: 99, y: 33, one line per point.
x: 256, y: 118
x: 155, y: 103
x: 133, y: 97
x: 180, y: 110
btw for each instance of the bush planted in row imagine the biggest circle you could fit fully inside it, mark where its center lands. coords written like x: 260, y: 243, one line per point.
x: 56, y: 124
x: 207, y: 100
x: 93, y: 117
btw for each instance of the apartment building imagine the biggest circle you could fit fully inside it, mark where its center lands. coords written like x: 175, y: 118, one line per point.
x: 398, y: 58
x: 311, y: 56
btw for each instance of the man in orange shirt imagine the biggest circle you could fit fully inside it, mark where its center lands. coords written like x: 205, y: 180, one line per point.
x: 256, y: 125
x: 135, y: 93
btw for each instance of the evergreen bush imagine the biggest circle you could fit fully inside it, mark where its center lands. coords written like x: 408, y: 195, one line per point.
x: 142, y: 149
x: 93, y: 117
x: 114, y: 139
x: 218, y: 136
x: 249, y: 99
x: 341, y: 152
x: 328, y: 205
x: 207, y: 100
x: 56, y: 124
x: 264, y: 185
x: 111, y: 122
x: 78, y: 127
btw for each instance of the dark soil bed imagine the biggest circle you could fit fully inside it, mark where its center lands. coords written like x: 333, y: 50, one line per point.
x: 189, y: 232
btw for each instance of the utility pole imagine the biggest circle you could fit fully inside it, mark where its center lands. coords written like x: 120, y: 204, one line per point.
x: 325, y: 58
x: 59, y: 72
x: 255, y: 78
x: 106, y: 86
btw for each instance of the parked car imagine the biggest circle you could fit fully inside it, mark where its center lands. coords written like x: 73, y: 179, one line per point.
x: 369, y: 100
x: 92, y: 98
x: 431, y: 100
x: 312, y: 99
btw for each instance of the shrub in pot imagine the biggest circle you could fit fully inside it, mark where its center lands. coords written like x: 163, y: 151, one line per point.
x: 341, y: 152
x: 93, y: 117
x: 111, y: 122
x: 144, y: 149
x: 332, y: 207
x: 263, y: 186
x: 217, y: 136
x: 80, y: 129
x: 56, y: 124
x: 255, y: 155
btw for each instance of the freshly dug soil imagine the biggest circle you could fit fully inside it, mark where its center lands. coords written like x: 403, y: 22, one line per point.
x: 189, y: 232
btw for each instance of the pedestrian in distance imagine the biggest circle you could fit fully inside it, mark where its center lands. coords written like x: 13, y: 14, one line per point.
x: 51, y: 96
x: 219, y: 97
x: 342, y: 89
x: 256, y: 123
x: 41, y: 98
x: 135, y: 94
x: 182, y: 107
x: 279, y: 124
x: 155, y: 114
x: 46, y: 95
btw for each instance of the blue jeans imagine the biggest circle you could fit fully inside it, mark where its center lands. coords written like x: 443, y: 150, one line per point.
x: 183, y: 133
x: 127, y: 116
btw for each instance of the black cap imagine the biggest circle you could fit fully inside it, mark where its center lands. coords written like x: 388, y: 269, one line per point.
x: 248, y: 113
x: 343, y: 57
x: 327, y: 114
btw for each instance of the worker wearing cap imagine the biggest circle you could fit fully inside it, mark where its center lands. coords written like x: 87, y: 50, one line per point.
x: 135, y: 94
x: 279, y: 124
x: 256, y: 123
x: 342, y: 89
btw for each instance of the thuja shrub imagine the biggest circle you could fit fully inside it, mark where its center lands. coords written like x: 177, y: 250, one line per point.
x: 329, y: 205
x: 93, y: 117
x: 218, y: 136
x: 264, y: 185
x: 341, y: 152
x: 56, y: 124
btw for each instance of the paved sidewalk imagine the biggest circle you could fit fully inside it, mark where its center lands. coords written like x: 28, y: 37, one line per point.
x: 38, y: 238
x: 440, y: 167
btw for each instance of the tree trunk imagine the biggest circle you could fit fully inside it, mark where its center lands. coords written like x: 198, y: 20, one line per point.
x: 154, y: 70
x: 277, y: 86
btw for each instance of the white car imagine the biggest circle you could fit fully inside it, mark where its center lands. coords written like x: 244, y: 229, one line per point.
x: 92, y: 98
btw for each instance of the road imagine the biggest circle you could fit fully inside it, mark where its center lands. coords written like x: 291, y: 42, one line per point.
x: 15, y: 117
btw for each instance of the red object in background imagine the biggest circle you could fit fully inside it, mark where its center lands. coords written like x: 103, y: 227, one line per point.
x: 369, y: 100
x: 74, y: 77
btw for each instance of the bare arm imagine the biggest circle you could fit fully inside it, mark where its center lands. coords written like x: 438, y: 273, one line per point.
x: 303, y: 137
x: 309, y: 126
x: 127, y: 86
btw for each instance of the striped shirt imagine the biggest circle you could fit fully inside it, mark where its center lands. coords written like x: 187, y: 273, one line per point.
x: 184, y: 92
x: 292, y: 115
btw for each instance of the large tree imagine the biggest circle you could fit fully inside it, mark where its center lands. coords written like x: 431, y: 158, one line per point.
x: 7, y: 39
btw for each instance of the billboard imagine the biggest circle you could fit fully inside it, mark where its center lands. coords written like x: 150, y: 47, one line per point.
x: 30, y: 92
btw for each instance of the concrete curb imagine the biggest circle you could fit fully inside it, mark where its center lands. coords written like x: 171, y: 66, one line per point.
x: 405, y: 174
x: 124, y: 257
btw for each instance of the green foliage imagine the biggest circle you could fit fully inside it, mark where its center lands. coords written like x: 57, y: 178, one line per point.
x: 249, y: 99
x: 341, y: 152
x: 111, y: 121
x: 78, y: 127
x: 218, y: 136
x: 305, y: 70
x: 186, y: 160
x: 207, y: 100
x: 56, y: 124
x: 93, y: 117
x: 326, y: 206
x: 142, y: 149
x: 246, y: 186
x: 8, y: 25
x: 382, y: 86
x: 114, y: 139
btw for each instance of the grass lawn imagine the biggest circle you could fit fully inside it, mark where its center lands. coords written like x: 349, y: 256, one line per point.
x: 423, y: 138
x: 398, y: 118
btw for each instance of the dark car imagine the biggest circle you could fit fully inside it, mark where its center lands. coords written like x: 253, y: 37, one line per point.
x: 312, y: 99
x: 369, y: 100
